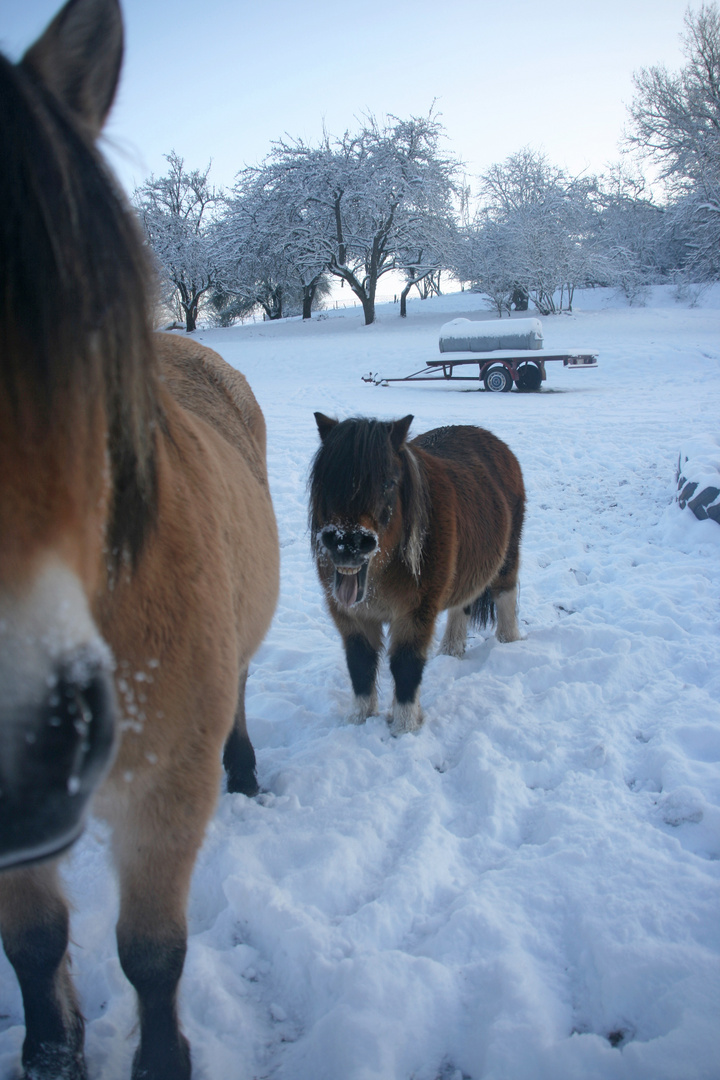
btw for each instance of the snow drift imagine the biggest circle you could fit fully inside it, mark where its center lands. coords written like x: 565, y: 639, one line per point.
x: 528, y: 889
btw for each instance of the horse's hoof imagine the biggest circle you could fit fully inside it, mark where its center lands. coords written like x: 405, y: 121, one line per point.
x: 405, y: 718
x: 173, y: 1064
x: 243, y: 785
x: 364, y: 707
x: 450, y: 650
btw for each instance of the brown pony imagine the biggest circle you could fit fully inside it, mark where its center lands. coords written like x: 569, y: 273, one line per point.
x: 402, y: 531
x: 138, y: 557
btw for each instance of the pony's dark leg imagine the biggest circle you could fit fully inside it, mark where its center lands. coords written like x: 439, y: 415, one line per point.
x: 362, y: 657
x: 34, y: 924
x: 407, y: 663
x: 238, y: 755
x: 408, y: 653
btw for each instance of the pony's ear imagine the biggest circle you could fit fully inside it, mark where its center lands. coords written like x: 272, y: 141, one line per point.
x: 325, y: 425
x: 399, y: 430
x: 79, y: 58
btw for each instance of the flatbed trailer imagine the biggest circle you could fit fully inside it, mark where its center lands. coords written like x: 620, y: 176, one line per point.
x: 498, y: 370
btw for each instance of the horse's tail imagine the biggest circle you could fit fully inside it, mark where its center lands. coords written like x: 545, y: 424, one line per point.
x: 482, y: 611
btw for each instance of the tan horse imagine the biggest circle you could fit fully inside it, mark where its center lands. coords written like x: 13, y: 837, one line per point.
x: 138, y: 558
x: 404, y: 530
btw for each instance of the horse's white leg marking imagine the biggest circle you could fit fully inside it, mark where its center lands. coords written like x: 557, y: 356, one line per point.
x: 406, y: 717
x: 365, y: 705
x: 455, y: 636
x: 506, y: 607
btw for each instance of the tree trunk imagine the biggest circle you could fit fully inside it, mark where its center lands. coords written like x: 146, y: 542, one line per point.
x: 190, y: 316
x: 520, y: 298
x: 365, y: 293
x: 368, y: 303
x: 308, y: 293
x: 403, y: 300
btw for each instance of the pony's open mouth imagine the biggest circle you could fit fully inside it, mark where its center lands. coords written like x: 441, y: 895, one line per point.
x: 349, y: 584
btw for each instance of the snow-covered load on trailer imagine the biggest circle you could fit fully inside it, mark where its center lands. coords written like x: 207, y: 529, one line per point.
x: 471, y: 335
x: 499, y: 349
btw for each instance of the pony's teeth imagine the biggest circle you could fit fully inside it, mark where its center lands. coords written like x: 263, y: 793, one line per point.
x: 346, y: 589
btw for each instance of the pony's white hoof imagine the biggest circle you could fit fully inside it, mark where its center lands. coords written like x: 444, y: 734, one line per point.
x: 452, y: 648
x: 364, y: 707
x: 455, y: 636
x: 406, y: 717
x: 507, y: 626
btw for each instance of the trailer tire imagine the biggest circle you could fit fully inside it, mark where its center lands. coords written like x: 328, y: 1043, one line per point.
x: 497, y: 379
x: 529, y: 377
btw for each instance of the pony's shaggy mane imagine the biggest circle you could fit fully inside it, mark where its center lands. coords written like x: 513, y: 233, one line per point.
x: 415, y: 497
x: 349, y: 477
x: 74, y: 279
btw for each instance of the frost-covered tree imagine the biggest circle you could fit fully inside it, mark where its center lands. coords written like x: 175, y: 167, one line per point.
x: 675, y: 124
x: 675, y: 116
x: 636, y: 235
x: 423, y: 264
x: 534, y: 235
x: 484, y: 256
x: 266, y: 252
x: 177, y: 213
x: 369, y: 202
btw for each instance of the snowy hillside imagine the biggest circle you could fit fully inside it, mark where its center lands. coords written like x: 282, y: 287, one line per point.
x: 528, y: 889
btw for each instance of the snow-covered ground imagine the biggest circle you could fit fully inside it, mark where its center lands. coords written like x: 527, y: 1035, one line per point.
x: 528, y: 889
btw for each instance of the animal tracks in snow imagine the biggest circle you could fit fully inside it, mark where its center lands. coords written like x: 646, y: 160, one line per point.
x: 529, y: 886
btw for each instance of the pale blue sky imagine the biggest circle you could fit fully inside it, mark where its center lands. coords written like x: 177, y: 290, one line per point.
x: 222, y: 79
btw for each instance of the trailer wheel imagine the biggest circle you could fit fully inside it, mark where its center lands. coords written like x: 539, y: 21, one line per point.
x: 497, y: 379
x: 529, y: 377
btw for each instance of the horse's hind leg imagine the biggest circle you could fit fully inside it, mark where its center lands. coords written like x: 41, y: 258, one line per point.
x: 504, y: 594
x: 34, y: 924
x: 506, y: 608
x: 504, y: 588
x: 238, y: 755
x: 455, y: 636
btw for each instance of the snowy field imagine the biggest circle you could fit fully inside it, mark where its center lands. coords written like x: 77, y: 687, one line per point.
x: 529, y: 888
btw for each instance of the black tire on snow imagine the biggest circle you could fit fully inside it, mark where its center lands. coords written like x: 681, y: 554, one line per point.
x: 529, y: 377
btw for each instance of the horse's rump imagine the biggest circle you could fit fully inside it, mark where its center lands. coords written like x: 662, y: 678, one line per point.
x: 204, y: 384
x: 478, y: 500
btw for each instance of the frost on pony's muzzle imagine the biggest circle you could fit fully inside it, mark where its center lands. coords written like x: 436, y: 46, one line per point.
x: 350, y: 551
x: 57, y: 718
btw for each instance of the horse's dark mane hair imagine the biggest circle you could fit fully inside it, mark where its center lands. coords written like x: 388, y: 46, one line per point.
x: 74, y: 287
x: 348, y: 476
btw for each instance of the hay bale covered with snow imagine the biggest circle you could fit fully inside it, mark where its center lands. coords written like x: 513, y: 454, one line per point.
x: 472, y: 335
x: 698, y: 476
